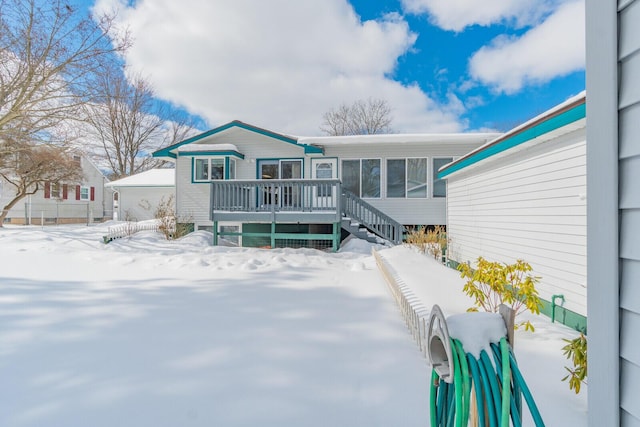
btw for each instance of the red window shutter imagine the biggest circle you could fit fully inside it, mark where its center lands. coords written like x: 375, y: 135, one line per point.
x: 65, y: 191
x: 77, y: 192
x: 93, y: 193
x: 47, y: 190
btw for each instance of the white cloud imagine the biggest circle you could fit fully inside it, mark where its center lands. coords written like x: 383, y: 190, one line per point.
x: 554, y: 48
x: 279, y: 64
x: 456, y: 15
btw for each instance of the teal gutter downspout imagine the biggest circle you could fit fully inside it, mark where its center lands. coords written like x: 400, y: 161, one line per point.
x: 553, y: 306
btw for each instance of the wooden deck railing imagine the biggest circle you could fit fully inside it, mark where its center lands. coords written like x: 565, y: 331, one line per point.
x: 276, y: 195
x: 303, y: 197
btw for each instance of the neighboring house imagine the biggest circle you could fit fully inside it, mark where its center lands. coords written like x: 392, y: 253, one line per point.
x: 60, y: 202
x: 262, y: 188
x: 613, y: 217
x: 136, y: 197
x: 523, y: 196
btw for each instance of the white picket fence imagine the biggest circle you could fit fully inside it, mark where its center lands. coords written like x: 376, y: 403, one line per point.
x: 128, y: 229
x: 411, y: 307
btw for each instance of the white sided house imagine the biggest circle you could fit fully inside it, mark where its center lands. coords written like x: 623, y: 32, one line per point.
x: 523, y: 196
x: 256, y: 187
x: 137, y: 197
x: 61, y: 202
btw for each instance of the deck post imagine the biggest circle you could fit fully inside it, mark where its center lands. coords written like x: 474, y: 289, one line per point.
x: 273, y: 234
x: 336, y: 236
x: 215, y: 233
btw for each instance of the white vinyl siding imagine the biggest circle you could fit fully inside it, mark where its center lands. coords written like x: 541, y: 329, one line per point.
x: 193, y: 200
x: 527, y: 205
x: 629, y: 205
x: 141, y: 203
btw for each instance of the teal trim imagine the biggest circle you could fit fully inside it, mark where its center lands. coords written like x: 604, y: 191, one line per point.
x: 308, y: 149
x: 213, y: 154
x: 312, y: 149
x: 562, y: 315
x: 552, y: 123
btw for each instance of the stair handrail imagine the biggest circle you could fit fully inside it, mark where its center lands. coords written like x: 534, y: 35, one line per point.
x: 371, y: 217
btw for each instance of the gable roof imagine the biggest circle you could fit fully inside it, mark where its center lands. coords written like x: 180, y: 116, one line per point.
x: 150, y: 178
x: 566, y: 113
x: 169, y: 152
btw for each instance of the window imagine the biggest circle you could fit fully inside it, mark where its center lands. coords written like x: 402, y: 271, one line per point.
x: 84, y: 193
x: 396, y: 178
x: 416, y: 178
x: 362, y: 177
x: 440, y: 185
x: 407, y: 178
x: 55, y: 190
x: 208, y: 169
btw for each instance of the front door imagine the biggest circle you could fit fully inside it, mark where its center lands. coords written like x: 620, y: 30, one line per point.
x: 324, y: 194
x: 281, y: 195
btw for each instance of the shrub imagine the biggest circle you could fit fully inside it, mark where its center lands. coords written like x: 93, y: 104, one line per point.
x: 431, y: 241
x: 495, y: 283
x: 170, y: 225
x: 576, y: 351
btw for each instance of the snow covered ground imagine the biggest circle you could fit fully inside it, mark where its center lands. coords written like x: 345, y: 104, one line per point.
x: 145, y: 332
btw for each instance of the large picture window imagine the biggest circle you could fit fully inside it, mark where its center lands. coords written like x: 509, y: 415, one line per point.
x: 362, y: 177
x: 208, y: 169
x: 407, y: 178
x: 440, y: 185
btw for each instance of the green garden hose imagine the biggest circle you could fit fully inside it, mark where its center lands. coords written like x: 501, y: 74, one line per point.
x: 498, y: 390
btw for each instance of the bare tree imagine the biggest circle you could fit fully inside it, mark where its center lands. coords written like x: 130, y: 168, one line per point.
x: 48, y: 55
x: 30, y: 166
x: 127, y: 123
x: 372, y: 116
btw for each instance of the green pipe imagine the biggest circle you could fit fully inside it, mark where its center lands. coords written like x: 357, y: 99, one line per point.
x: 478, y: 386
x: 493, y: 419
x: 466, y: 382
x: 433, y: 394
x: 457, y: 383
x: 553, y: 305
x: 506, y: 382
x: 537, y: 418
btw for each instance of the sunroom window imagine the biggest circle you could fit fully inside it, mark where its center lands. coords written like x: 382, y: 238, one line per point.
x: 407, y: 178
x: 362, y: 177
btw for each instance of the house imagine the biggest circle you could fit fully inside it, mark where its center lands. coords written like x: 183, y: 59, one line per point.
x: 62, y: 203
x: 523, y: 196
x: 136, y: 197
x: 258, y: 187
x: 613, y: 211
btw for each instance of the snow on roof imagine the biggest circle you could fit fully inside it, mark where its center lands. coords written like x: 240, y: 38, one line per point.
x: 570, y: 103
x: 207, y: 147
x: 150, y: 178
x: 398, y: 138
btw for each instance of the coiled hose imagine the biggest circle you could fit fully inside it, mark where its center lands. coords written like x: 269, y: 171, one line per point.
x: 481, y: 392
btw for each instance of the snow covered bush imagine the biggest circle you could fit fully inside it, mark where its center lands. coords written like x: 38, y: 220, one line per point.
x: 493, y: 283
x: 170, y: 225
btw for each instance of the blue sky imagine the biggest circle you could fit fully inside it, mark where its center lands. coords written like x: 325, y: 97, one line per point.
x: 443, y: 65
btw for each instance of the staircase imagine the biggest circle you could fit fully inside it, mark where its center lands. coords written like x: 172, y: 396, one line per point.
x: 367, y: 222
